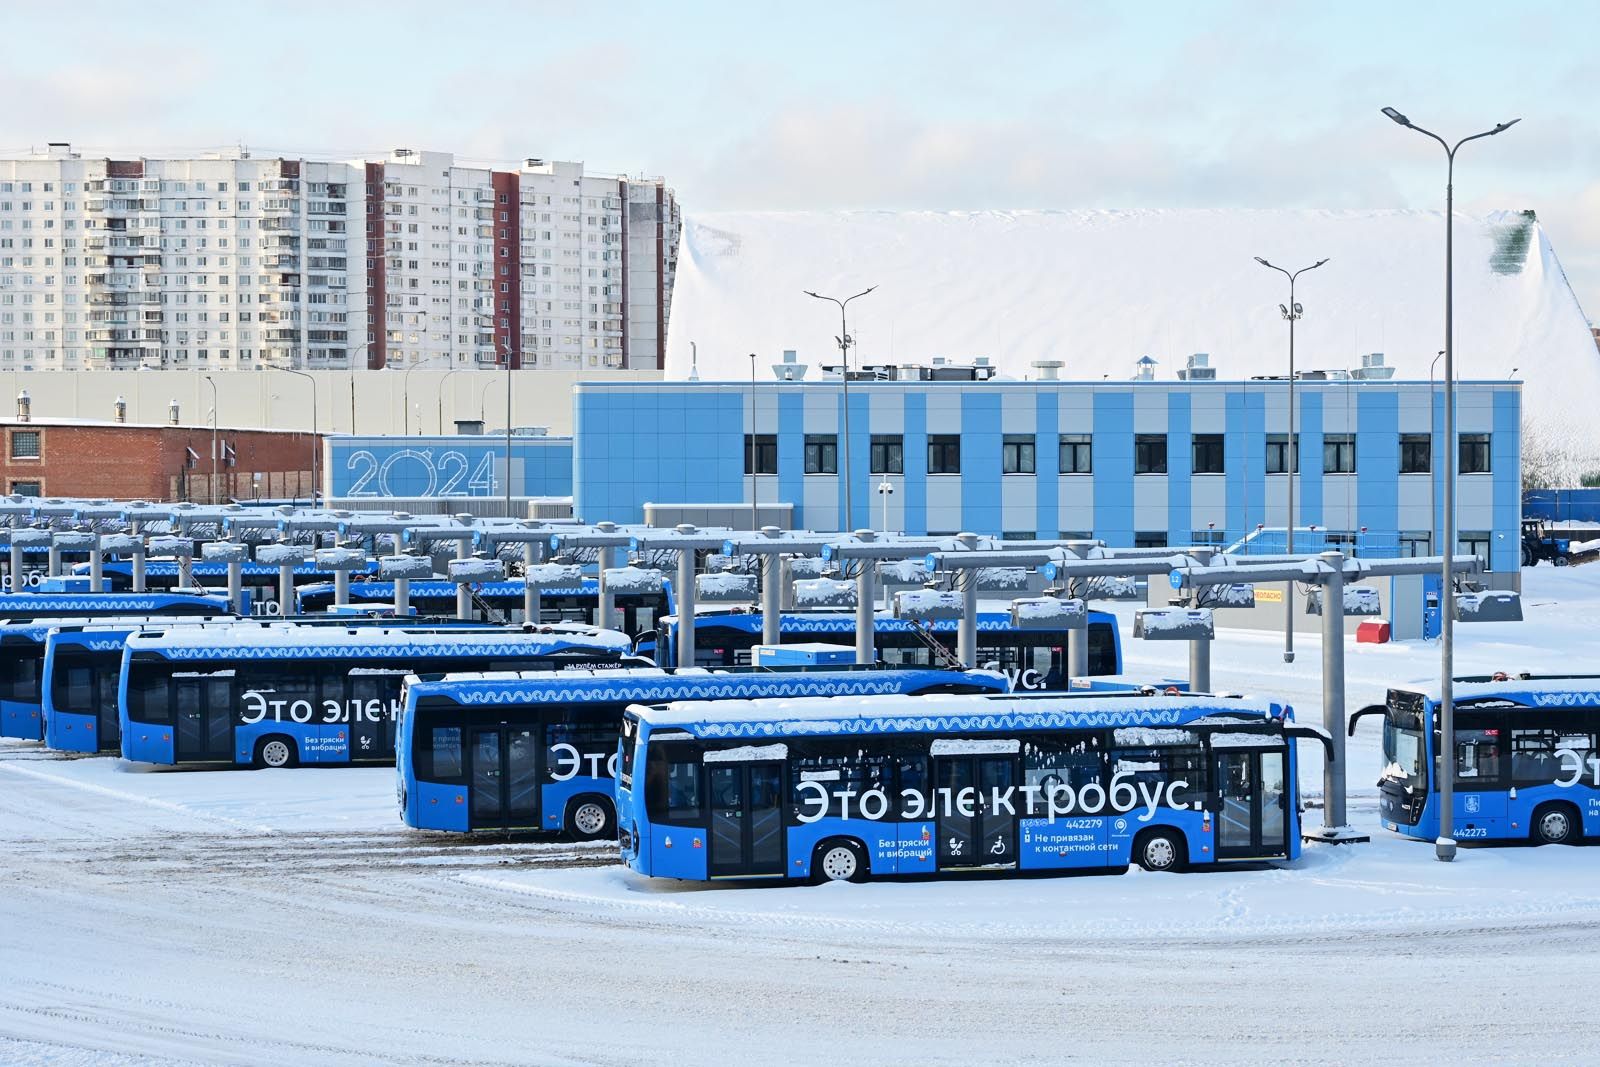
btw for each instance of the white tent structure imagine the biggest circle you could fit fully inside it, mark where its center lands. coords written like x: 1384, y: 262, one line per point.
x: 1099, y: 290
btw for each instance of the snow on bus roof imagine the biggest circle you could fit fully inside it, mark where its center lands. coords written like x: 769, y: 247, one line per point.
x: 966, y: 713
x: 278, y: 641
x: 649, y: 685
x: 1552, y: 691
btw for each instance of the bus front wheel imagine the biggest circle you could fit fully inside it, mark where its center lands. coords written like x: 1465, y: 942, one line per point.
x: 839, y: 861
x: 275, y: 752
x: 591, y: 818
x: 1159, y: 850
x: 1556, y: 824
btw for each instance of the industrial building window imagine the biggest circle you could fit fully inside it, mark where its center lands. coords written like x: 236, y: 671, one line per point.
x: 761, y: 453
x: 1474, y: 455
x: 944, y: 453
x: 1149, y: 453
x: 1077, y: 535
x: 822, y: 453
x: 1017, y: 535
x: 1415, y: 543
x: 1339, y: 453
x: 1208, y: 453
x: 888, y: 454
x: 1279, y: 454
x: 1016, y: 454
x: 1416, y: 453
x: 24, y: 444
x: 1150, y: 539
x: 1209, y: 536
x: 1474, y: 543
x: 1077, y: 454
x: 27, y: 489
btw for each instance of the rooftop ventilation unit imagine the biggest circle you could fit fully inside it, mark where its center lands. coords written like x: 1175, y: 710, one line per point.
x: 1199, y: 369
x: 1145, y: 370
x: 1372, y: 368
x: 791, y: 369
x: 1049, y: 369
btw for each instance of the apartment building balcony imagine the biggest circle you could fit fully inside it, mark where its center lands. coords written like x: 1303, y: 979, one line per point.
x: 484, y: 196
x: 281, y: 223
x: 486, y: 232
x: 281, y: 335
x: 115, y: 283
x: 281, y: 262
x: 483, y: 214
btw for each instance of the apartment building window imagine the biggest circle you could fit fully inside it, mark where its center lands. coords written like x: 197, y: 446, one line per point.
x: 887, y: 454
x: 25, y: 444
x: 1149, y: 453
x: 1473, y: 457
x: 1077, y: 454
x: 944, y: 453
x: 1280, y: 455
x: 1339, y: 453
x: 27, y: 489
x: 1416, y: 453
x: 822, y: 453
x: 1208, y: 453
x: 761, y: 453
x: 1017, y: 454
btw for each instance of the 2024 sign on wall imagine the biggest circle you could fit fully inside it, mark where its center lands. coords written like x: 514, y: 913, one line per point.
x: 420, y: 472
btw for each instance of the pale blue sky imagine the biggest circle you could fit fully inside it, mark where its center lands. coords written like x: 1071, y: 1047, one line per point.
x: 891, y: 105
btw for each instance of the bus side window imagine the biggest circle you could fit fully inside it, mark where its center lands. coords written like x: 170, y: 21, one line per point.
x: 671, y: 789
x: 913, y: 772
x: 1477, y: 755
x: 1537, y: 755
x: 445, y: 752
x: 1102, y: 649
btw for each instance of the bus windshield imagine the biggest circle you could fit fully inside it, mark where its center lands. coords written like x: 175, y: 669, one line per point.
x: 1402, y: 755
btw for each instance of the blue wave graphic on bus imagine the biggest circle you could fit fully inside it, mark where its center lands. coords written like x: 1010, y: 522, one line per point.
x: 93, y: 603
x: 888, y: 724
x: 454, y: 648
x: 697, y: 688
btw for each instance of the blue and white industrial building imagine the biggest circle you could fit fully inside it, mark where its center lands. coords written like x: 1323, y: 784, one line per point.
x: 1140, y: 462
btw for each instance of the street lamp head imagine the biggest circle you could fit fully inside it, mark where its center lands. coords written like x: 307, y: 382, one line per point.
x: 1395, y: 116
x: 1283, y: 308
x: 1504, y: 126
x: 1263, y: 262
x: 818, y: 296
x: 1299, y: 309
x: 1317, y: 264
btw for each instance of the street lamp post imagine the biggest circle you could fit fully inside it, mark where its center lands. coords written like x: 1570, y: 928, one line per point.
x: 446, y: 378
x: 211, y: 382
x: 1291, y: 312
x: 1433, y: 480
x: 845, y: 341
x: 755, y: 484
x: 316, y: 447
x: 1445, y: 847
x: 405, y: 393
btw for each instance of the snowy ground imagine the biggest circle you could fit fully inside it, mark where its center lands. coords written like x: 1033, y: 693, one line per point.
x: 287, y: 917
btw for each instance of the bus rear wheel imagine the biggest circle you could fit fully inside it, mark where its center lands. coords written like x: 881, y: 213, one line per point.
x: 1555, y: 824
x: 590, y: 819
x: 839, y: 861
x: 1159, y: 850
x: 275, y: 752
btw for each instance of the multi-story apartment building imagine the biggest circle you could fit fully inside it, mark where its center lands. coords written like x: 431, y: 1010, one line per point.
x: 231, y: 261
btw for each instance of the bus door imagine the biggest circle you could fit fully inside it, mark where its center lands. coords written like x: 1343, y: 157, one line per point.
x: 975, y: 803
x: 370, y: 712
x: 746, y: 817
x: 504, y: 773
x: 1252, y: 802
x: 1480, y: 766
x: 203, y: 714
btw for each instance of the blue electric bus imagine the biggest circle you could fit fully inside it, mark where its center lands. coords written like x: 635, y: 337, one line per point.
x: 579, y: 603
x: 83, y: 665
x: 260, y: 580
x: 1034, y: 659
x: 840, y: 789
x: 100, y: 605
x: 1526, y: 764
x: 278, y: 695
x: 22, y: 647
x: 538, y: 750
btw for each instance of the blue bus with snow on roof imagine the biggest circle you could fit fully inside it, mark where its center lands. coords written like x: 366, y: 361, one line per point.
x: 83, y: 664
x: 22, y: 647
x: 259, y: 580
x: 101, y: 605
x: 847, y: 789
x: 537, y: 751
x: 1033, y: 658
x: 638, y: 611
x: 1526, y: 760
x: 278, y: 695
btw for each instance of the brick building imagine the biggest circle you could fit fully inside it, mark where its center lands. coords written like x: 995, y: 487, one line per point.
x: 68, y: 458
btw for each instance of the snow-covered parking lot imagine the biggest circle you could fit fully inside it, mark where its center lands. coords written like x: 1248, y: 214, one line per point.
x: 288, y: 917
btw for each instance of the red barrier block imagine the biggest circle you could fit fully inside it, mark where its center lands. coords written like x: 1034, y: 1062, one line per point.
x: 1372, y: 633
